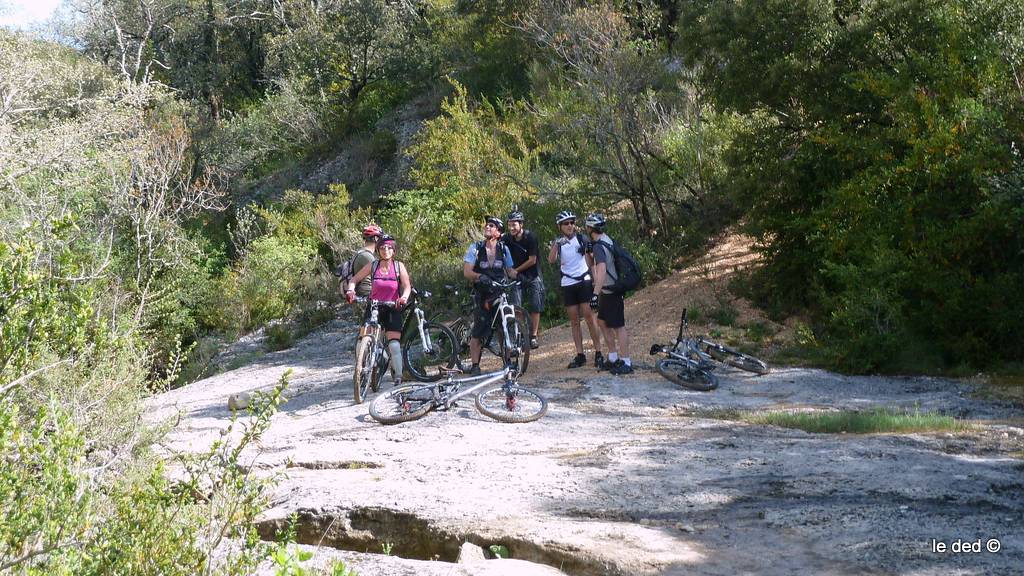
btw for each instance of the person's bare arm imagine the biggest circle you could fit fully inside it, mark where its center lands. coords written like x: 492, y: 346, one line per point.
x: 553, y: 253
x: 363, y: 273
x: 600, y: 272
x: 406, y: 283
x: 467, y: 271
x: 531, y: 261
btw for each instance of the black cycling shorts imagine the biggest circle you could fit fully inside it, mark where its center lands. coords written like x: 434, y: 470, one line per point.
x: 389, y: 318
x: 611, y: 309
x: 576, y: 294
x: 483, y: 319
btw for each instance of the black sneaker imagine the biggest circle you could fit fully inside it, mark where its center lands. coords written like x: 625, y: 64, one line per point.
x: 475, y: 370
x: 533, y: 343
x: 599, y: 362
x: 578, y: 361
x: 621, y: 368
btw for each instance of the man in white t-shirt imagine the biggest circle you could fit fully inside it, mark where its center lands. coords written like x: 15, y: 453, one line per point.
x: 570, y: 250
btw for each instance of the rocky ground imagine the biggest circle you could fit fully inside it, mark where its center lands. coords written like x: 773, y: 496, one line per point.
x: 629, y: 475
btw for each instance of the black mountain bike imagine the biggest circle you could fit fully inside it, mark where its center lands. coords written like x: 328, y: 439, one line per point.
x: 426, y: 346
x: 689, y: 362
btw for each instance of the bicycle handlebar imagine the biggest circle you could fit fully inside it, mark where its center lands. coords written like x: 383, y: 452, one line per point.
x: 384, y: 303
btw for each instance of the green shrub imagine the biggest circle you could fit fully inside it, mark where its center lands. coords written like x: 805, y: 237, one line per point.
x: 883, y: 182
x: 261, y: 287
x: 383, y: 145
x: 279, y: 337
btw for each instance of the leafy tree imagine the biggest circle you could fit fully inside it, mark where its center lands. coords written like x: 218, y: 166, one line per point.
x: 869, y: 171
x: 341, y: 48
x: 609, y: 106
x: 487, y: 153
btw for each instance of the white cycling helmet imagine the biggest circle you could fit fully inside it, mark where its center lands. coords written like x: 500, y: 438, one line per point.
x: 564, y: 215
x: 595, y: 221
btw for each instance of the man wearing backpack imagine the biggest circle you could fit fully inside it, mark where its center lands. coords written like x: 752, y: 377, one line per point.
x: 365, y: 255
x: 486, y: 262
x: 359, y: 260
x: 609, y: 301
x: 522, y: 244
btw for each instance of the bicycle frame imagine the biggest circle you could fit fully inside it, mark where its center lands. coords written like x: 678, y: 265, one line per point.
x: 420, y: 317
x: 373, y: 329
x: 691, y: 352
x: 447, y: 392
x: 506, y: 311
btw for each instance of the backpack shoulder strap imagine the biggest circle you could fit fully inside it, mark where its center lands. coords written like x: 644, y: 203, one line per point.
x: 373, y: 269
x: 609, y: 248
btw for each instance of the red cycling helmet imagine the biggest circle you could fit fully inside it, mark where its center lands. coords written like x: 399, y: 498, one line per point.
x: 372, y: 231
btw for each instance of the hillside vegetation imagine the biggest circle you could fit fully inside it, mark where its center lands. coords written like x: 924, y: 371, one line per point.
x: 151, y: 197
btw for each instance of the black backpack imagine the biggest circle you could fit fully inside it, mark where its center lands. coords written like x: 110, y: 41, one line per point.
x: 627, y: 271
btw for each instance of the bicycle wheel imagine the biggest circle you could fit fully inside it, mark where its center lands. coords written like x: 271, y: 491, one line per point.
x: 365, y: 370
x: 513, y: 404
x: 518, y: 356
x: 686, y: 375
x: 402, y: 404
x: 423, y: 363
x: 737, y: 358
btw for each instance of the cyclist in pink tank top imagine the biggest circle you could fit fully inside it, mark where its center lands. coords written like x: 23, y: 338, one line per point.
x: 390, y: 283
x: 385, y: 284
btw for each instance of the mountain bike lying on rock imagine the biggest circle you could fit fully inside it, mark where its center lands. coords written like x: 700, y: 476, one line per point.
x: 498, y: 395
x: 689, y: 362
x: 510, y: 330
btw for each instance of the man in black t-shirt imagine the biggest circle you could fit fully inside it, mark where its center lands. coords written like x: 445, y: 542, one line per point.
x: 522, y: 245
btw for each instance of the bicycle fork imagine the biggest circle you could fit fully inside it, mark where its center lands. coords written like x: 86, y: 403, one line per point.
x: 428, y: 346
x: 508, y: 314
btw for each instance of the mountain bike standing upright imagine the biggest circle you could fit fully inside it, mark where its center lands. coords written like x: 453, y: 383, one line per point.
x: 426, y: 346
x: 371, y: 352
x: 689, y: 362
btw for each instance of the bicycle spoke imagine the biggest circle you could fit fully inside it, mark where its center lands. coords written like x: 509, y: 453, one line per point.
x: 513, y: 404
x: 402, y: 404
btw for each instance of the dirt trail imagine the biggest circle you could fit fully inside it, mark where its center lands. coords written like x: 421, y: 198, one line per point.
x: 632, y: 475
x: 652, y: 314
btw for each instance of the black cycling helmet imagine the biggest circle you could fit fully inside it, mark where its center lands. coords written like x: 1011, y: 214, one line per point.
x: 496, y: 221
x: 387, y: 239
x: 564, y: 215
x: 595, y: 221
x: 515, y: 215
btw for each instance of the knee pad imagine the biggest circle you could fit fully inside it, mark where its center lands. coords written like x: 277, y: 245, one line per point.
x: 395, y: 350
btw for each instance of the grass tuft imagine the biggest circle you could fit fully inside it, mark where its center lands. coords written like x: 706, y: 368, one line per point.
x: 879, y: 420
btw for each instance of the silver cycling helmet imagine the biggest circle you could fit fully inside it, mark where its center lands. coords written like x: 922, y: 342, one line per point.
x: 496, y: 221
x: 595, y: 221
x: 515, y: 215
x: 564, y: 215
